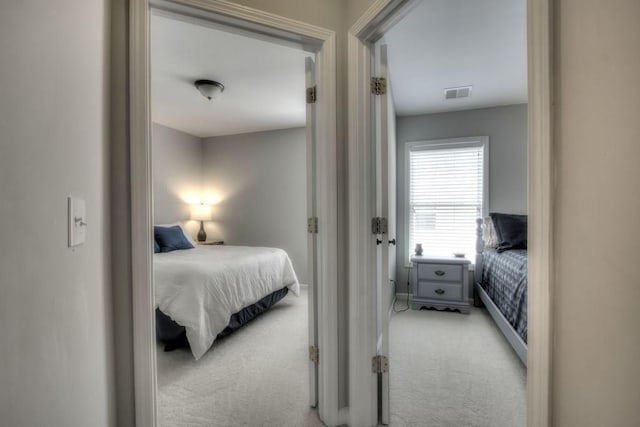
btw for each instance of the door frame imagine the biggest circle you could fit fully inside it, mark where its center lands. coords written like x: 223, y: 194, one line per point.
x: 380, y: 17
x: 273, y: 27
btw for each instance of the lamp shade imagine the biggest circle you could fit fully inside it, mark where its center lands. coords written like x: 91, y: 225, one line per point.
x: 201, y: 212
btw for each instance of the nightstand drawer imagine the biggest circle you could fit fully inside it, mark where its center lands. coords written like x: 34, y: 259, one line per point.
x: 438, y: 272
x: 443, y: 291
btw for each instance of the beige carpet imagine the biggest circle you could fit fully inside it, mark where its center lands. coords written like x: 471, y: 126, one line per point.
x: 449, y: 369
x: 446, y: 370
x: 257, y: 376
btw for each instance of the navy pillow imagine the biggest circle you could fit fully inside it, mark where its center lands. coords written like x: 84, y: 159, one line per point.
x: 156, y: 246
x: 511, y: 231
x: 171, y: 238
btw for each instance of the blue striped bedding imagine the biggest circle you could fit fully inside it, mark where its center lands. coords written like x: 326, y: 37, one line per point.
x: 504, y: 278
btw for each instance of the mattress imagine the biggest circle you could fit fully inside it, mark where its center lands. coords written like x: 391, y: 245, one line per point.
x: 504, y: 278
x: 201, y: 288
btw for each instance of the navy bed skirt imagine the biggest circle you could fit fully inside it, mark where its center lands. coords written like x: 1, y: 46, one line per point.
x: 174, y: 335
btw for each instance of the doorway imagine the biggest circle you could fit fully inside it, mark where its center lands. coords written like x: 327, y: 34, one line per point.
x: 366, y: 40
x: 321, y: 207
x: 230, y: 167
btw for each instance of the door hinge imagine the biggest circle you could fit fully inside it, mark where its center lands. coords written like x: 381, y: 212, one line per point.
x: 312, y: 95
x: 312, y: 225
x: 380, y: 364
x: 314, y: 354
x: 379, y: 225
x: 378, y: 85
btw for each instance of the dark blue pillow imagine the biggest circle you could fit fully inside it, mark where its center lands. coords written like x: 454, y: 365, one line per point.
x: 156, y: 246
x: 171, y: 238
x: 511, y: 231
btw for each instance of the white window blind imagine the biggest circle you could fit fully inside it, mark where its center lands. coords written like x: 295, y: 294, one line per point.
x: 446, y: 183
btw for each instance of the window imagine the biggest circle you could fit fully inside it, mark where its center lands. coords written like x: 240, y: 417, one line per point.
x: 447, y: 182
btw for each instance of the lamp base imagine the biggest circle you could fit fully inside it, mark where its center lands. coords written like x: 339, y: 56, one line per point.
x: 202, y: 235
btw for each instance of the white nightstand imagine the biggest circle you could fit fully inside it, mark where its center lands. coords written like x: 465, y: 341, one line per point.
x: 440, y: 283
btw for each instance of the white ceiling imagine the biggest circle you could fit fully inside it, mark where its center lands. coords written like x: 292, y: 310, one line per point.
x: 439, y: 44
x: 264, y: 82
x: 450, y: 43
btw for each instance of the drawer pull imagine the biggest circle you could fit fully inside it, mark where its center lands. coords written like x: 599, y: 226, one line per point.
x: 439, y: 291
x: 439, y: 273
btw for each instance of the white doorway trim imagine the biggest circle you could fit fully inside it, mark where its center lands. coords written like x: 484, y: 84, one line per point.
x: 323, y: 42
x: 382, y: 15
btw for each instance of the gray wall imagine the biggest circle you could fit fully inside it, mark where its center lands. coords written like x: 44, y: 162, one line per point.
x: 177, y: 175
x: 56, y: 351
x: 256, y: 181
x: 506, y: 128
x: 259, y: 181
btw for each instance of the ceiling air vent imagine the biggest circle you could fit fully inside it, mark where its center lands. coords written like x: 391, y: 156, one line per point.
x: 457, y: 92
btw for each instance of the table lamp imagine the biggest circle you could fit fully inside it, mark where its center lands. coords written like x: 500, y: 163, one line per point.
x: 201, y: 213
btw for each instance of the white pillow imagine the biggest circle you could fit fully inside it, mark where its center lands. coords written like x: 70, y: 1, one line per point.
x: 184, y: 231
x: 489, y: 234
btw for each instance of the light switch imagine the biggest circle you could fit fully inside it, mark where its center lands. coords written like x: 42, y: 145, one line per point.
x: 77, y: 221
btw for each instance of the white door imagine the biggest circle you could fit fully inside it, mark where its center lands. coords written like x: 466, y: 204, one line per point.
x: 312, y: 240
x: 383, y: 285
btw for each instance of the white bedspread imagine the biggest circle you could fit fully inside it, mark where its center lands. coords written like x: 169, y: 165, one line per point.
x: 201, y: 288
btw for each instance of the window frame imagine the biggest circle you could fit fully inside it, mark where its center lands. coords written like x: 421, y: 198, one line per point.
x: 434, y: 144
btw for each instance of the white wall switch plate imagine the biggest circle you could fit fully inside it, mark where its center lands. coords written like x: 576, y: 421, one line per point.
x: 77, y: 221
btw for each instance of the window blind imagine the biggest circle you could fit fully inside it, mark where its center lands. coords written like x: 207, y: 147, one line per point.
x: 445, y: 198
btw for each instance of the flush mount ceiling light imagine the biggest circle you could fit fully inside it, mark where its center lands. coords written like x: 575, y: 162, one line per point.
x: 209, y: 88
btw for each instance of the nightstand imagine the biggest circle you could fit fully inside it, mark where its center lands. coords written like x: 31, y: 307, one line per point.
x: 211, y: 242
x: 440, y: 283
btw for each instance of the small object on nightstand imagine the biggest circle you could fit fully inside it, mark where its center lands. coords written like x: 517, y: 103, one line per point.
x: 212, y: 242
x: 441, y: 283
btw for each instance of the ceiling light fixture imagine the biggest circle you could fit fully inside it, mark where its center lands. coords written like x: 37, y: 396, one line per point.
x: 209, y: 88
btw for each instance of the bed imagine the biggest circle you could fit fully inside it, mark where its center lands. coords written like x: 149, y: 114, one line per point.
x: 208, y: 291
x: 501, y: 285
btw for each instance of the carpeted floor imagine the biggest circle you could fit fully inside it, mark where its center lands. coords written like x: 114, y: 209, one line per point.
x: 446, y: 369
x: 257, y: 376
x: 449, y: 369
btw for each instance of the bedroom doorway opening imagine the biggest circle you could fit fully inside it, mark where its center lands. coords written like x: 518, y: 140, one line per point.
x: 450, y: 106
x: 451, y: 149
x: 230, y: 162
x: 241, y: 128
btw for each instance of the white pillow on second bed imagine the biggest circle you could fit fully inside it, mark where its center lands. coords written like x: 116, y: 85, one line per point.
x: 489, y: 235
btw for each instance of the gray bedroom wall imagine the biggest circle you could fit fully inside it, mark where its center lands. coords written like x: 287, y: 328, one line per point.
x: 56, y: 351
x: 177, y: 175
x: 259, y: 180
x: 506, y: 128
